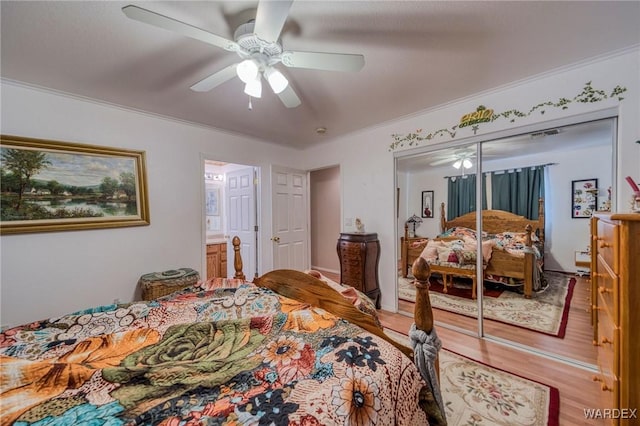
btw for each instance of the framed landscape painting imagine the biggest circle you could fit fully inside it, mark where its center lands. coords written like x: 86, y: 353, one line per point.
x: 60, y: 186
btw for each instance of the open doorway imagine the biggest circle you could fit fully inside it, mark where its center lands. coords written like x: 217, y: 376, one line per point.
x: 325, y: 207
x: 230, y: 209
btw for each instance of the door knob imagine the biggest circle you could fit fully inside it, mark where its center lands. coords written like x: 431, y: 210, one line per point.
x: 275, y: 239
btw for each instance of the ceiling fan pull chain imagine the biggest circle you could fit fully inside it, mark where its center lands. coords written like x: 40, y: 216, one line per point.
x: 250, y: 106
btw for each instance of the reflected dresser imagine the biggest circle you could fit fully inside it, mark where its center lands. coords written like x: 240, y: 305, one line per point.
x: 359, y: 254
x: 615, y: 298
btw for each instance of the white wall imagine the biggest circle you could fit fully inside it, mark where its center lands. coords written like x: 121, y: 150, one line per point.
x: 428, y: 180
x: 50, y: 274
x: 368, y: 166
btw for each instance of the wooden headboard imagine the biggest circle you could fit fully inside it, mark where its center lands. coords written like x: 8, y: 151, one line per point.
x: 495, y: 221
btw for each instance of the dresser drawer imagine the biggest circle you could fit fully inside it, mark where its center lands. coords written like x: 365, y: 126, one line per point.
x: 607, y: 244
x: 607, y: 290
x: 609, y: 388
x: 608, y: 338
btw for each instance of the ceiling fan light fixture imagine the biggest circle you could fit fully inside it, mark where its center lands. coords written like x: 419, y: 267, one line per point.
x: 466, y: 163
x: 247, y: 70
x: 276, y: 79
x: 457, y: 164
x: 253, y: 88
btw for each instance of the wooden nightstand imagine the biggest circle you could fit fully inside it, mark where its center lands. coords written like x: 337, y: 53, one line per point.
x: 359, y: 254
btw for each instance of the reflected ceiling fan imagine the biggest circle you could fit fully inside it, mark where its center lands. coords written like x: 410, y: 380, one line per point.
x: 460, y: 157
x: 258, y: 45
x: 457, y: 157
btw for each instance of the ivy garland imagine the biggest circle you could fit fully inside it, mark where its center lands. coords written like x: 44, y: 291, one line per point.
x: 588, y: 95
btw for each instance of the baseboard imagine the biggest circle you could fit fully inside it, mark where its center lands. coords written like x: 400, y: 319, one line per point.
x: 331, y: 271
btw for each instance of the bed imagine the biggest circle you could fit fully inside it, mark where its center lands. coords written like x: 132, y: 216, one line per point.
x: 289, y: 348
x: 516, y: 257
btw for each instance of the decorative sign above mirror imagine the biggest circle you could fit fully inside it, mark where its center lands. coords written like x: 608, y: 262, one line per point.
x: 480, y: 115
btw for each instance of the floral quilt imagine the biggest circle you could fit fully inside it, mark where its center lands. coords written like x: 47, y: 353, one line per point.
x: 228, y: 356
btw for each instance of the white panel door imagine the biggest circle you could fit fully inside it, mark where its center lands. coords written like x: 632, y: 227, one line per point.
x: 290, y: 227
x: 241, y: 214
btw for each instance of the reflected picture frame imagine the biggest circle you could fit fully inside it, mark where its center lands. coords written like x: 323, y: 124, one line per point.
x: 427, y: 204
x: 584, y: 198
x: 50, y: 186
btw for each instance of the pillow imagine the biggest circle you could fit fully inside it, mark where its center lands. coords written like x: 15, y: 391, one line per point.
x: 418, y: 243
x: 467, y: 257
x: 351, y: 295
x: 446, y: 254
x: 487, y: 249
x: 430, y: 252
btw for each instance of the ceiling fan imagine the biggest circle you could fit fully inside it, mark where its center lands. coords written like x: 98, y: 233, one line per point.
x: 458, y: 158
x: 258, y: 45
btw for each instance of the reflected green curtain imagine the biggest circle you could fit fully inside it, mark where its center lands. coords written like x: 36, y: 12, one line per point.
x: 518, y: 191
x: 461, y: 195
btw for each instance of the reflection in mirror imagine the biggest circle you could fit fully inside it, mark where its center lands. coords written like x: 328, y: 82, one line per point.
x: 535, y: 290
x: 534, y: 293
x: 424, y: 184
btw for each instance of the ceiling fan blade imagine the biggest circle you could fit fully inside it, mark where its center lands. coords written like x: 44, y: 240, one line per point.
x: 270, y: 18
x: 216, y: 79
x: 443, y: 161
x: 323, y: 61
x: 152, y: 18
x: 289, y: 97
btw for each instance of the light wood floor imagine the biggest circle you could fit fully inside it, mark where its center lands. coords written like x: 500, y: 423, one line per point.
x: 577, y: 343
x: 577, y: 389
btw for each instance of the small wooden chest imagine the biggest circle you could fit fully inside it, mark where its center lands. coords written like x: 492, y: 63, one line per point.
x: 158, y: 284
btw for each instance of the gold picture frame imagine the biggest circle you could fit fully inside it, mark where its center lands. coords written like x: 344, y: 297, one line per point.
x: 49, y: 186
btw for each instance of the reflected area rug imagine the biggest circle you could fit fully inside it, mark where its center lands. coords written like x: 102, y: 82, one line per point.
x: 476, y: 394
x: 546, y: 312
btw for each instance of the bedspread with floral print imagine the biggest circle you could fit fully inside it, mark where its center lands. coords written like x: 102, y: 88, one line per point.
x: 229, y: 356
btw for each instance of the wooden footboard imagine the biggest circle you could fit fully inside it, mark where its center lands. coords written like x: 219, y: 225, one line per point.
x: 508, y: 265
x: 303, y: 287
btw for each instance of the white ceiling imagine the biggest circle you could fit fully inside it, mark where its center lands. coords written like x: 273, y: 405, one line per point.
x: 417, y: 55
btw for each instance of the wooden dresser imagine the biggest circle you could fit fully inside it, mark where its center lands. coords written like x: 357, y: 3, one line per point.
x: 615, y: 296
x: 216, y: 260
x: 359, y: 254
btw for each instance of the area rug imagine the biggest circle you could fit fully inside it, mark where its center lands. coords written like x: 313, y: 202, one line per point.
x: 546, y: 312
x: 476, y: 394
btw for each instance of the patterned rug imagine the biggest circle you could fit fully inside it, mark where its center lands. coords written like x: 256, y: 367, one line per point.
x: 546, y: 312
x: 476, y: 394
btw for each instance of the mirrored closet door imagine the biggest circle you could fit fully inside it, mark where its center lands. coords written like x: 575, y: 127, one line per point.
x: 537, y: 288
x: 534, y: 290
x: 424, y: 182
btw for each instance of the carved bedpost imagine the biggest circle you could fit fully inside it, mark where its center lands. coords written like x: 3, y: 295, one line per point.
x: 528, y: 240
x: 443, y: 218
x: 529, y: 264
x: 423, y: 314
x: 237, y: 259
x: 541, y: 218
